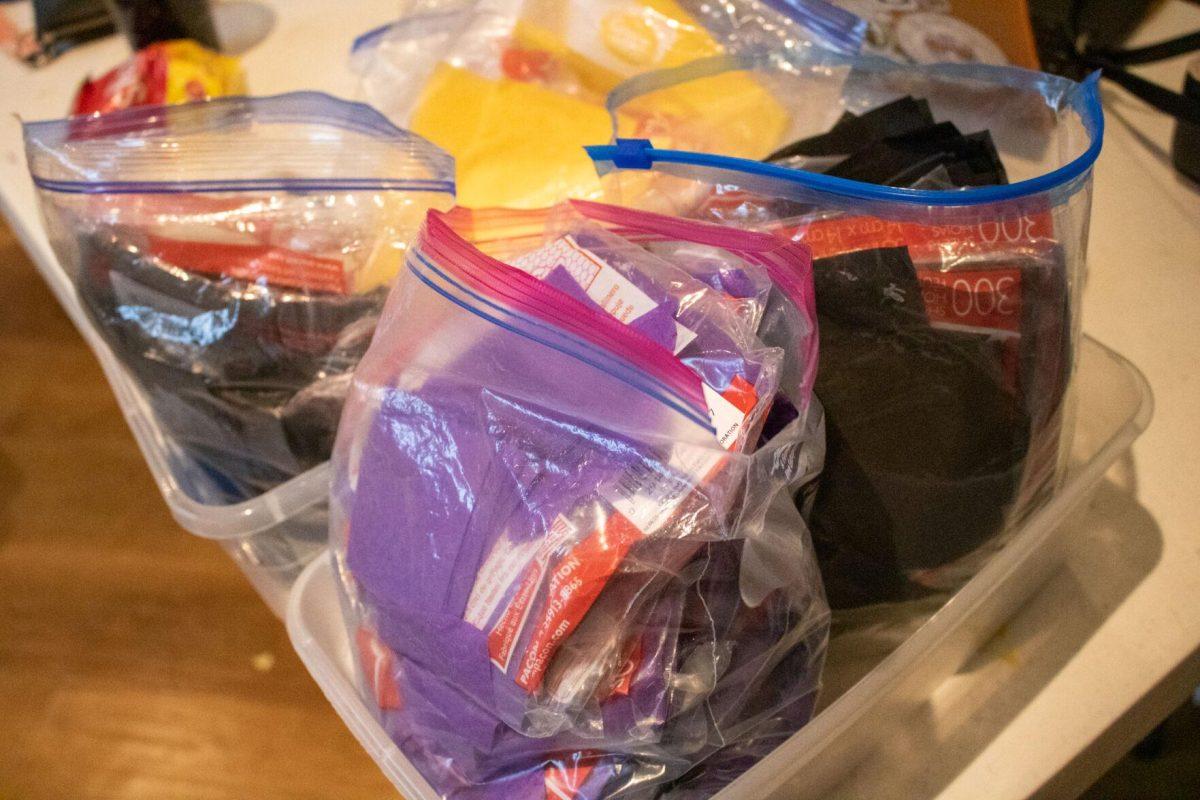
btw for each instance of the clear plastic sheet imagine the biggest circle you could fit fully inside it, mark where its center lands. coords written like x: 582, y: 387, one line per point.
x: 568, y: 570
x: 948, y: 317
x: 235, y: 254
x: 515, y: 88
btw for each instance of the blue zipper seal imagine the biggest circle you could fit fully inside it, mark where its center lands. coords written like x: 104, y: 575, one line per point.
x: 686, y: 412
x: 292, y: 185
x: 639, y: 154
x: 1083, y: 97
x: 837, y: 26
x: 372, y: 37
x: 291, y: 108
x: 305, y: 107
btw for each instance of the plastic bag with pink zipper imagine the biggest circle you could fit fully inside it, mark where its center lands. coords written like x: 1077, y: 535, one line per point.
x: 569, y: 555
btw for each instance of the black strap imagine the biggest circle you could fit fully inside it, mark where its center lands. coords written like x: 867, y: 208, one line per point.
x: 1182, y: 108
x: 1112, y: 65
x: 1158, y: 51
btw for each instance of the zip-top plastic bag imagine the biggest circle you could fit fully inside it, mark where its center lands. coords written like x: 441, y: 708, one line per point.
x: 515, y: 88
x: 762, y: 280
x: 948, y: 317
x: 570, y: 559
x: 235, y: 254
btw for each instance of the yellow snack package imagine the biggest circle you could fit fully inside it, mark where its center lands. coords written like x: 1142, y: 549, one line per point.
x: 194, y: 69
x: 163, y: 73
x: 602, y: 43
x: 515, y: 144
x: 517, y: 124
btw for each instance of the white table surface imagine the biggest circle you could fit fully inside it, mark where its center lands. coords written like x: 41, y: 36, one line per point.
x: 1112, y: 643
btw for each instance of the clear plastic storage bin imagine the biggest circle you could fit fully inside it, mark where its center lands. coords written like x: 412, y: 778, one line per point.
x: 271, y: 537
x: 1115, y: 406
x: 225, y: 261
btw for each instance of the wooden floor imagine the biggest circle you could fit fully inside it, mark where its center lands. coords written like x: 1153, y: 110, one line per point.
x: 135, y: 660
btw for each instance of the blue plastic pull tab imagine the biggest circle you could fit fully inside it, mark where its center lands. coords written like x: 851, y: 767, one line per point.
x: 632, y: 154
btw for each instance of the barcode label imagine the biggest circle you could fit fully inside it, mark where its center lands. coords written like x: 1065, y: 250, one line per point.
x: 647, y: 494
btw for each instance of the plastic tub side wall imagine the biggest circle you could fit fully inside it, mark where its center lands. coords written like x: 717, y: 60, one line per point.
x: 809, y: 765
x: 1116, y: 406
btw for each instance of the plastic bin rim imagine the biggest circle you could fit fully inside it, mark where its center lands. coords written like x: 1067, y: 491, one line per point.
x: 248, y: 517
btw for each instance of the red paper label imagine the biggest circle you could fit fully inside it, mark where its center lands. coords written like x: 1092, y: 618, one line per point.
x: 741, y: 394
x: 988, y: 299
x: 379, y: 664
x: 277, y: 266
x: 936, y: 243
x: 563, y: 782
x: 504, y: 635
x: 575, y: 584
